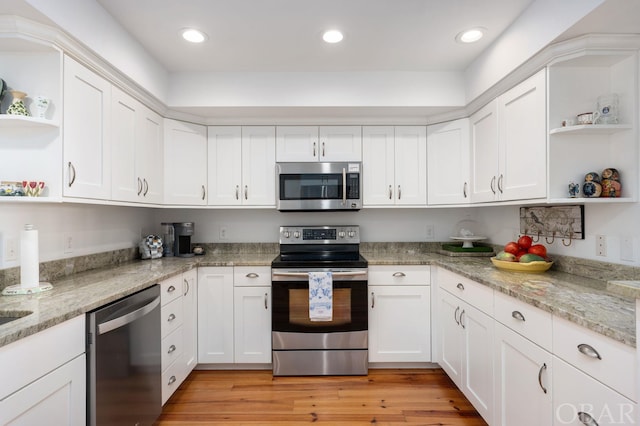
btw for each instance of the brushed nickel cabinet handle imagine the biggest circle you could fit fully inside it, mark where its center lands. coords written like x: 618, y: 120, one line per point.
x: 146, y: 187
x: 237, y: 192
x: 586, y: 419
x: 172, y: 348
x: 252, y: 275
x: 71, y: 168
x: 390, y: 192
x: 314, y: 149
x: 323, y: 152
x: 588, y: 350
x: 399, y: 192
x: 266, y: 299
x: 461, y: 315
x: 543, y: 368
x: 399, y: 274
x: 171, y: 289
x: 493, y: 184
x: 186, y: 286
x: 139, y: 186
x: 518, y: 315
x: 373, y: 300
x: 500, y: 179
x: 464, y: 190
x: 246, y: 192
x: 460, y: 286
x: 204, y: 192
x: 455, y: 315
x: 171, y: 317
x: 172, y: 380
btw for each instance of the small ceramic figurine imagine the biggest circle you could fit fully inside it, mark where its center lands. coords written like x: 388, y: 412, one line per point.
x: 591, y: 187
x: 17, y: 107
x: 611, y: 186
x: 574, y: 190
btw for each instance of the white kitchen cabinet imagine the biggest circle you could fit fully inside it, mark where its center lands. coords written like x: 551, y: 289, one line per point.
x: 579, y: 399
x: 523, y: 379
x: 448, y: 163
x: 185, y: 163
x: 241, y: 165
x: 190, y: 319
x: 508, y: 144
x: 87, y: 133
x: 465, y: 340
x: 136, y: 151
x: 45, y: 386
x: 394, y: 166
x: 399, y: 314
x: 575, y: 82
x: 215, y: 315
x: 318, y: 143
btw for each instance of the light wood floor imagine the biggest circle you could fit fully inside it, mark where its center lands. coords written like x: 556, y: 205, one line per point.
x: 384, y: 397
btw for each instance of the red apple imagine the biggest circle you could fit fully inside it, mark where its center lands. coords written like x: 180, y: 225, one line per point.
x: 538, y: 249
x: 512, y: 247
x: 525, y: 242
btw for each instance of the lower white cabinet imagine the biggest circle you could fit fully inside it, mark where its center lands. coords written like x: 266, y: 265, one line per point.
x: 44, y: 377
x: 190, y: 321
x: 579, y: 399
x: 523, y: 378
x: 399, y: 314
x: 215, y: 315
x: 252, y: 324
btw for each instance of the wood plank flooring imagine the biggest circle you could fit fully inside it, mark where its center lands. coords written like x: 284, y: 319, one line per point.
x: 384, y: 397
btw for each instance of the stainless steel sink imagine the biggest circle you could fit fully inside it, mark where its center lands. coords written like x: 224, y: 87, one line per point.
x: 8, y: 316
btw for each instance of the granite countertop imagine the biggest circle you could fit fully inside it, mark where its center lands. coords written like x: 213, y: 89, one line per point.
x: 587, y: 302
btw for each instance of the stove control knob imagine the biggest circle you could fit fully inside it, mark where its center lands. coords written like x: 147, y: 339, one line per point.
x: 352, y: 234
x: 296, y: 234
x: 287, y: 234
x: 341, y: 234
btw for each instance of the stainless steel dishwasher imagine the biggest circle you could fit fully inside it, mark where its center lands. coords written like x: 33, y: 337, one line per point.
x: 124, y: 369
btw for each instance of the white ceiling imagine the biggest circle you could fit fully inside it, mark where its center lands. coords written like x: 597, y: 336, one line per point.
x: 286, y: 35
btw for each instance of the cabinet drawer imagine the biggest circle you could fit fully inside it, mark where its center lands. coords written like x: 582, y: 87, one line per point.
x: 171, y: 317
x: 251, y: 276
x: 170, y: 289
x: 171, y: 379
x: 609, y: 361
x: 527, y: 320
x: 171, y: 347
x: 476, y: 294
x: 399, y: 275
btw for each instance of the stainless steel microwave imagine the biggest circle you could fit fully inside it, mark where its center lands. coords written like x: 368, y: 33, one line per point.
x: 319, y: 186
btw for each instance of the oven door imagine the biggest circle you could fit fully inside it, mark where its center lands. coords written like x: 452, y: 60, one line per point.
x: 290, y: 303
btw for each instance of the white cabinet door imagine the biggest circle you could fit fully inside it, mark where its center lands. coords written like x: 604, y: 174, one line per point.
x: 449, y: 345
x: 215, y: 315
x: 185, y: 163
x: 225, y: 165
x: 86, y: 127
x: 340, y: 143
x: 190, y: 320
x: 411, y: 165
x: 378, y: 166
x: 484, y: 154
x: 579, y: 399
x: 252, y: 324
x: 58, y: 398
x: 258, y: 166
x: 524, y: 380
x: 149, y: 156
x: 399, y: 323
x: 448, y: 163
x: 313, y: 143
x: 125, y: 183
x: 523, y: 140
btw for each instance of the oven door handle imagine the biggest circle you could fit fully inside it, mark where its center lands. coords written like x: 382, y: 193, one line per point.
x: 306, y: 274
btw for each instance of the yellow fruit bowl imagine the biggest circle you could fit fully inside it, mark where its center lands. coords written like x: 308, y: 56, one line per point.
x: 537, y: 266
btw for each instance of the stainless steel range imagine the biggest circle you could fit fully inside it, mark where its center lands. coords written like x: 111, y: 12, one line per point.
x: 302, y: 344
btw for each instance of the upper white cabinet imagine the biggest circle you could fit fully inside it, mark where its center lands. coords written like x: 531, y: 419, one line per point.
x: 241, y: 165
x: 508, y: 144
x: 575, y: 83
x: 394, y: 166
x: 136, y: 151
x: 87, y: 137
x: 313, y: 143
x: 185, y: 163
x: 448, y: 163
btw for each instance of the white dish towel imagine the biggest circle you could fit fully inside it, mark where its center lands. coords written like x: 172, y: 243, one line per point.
x: 320, y: 296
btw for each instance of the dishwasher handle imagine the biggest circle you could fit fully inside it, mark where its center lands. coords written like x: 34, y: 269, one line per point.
x: 128, y: 318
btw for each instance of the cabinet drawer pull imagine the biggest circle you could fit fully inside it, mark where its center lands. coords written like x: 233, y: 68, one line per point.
x: 172, y: 380
x: 246, y: 192
x: 72, y: 176
x: 146, y: 187
x: 323, y: 154
x: 493, y: 184
x: 373, y: 300
x: 314, y: 149
x: 237, y: 192
x: 390, y: 192
x: 455, y: 315
x: 186, y: 286
x: 252, y: 275
x: 171, y: 289
x: 500, y: 179
x: 588, y: 350
x: 139, y: 186
x: 399, y: 192
x: 204, y: 192
x: 464, y: 190
x: 172, y: 348
x: 460, y: 286
x: 266, y: 300
x: 461, y: 315
x: 399, y: 274
x: 518, y: 315
x: 543, y: 368
x: 171, y: 317
x: 586, y: 419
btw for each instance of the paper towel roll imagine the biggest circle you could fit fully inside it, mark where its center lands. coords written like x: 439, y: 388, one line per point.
x: 29, y: 262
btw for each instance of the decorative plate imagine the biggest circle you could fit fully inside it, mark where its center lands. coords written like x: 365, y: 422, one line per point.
x: 538, y: 266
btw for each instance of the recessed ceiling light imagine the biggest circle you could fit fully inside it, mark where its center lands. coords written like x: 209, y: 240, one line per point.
x: 471, y: 35
x: 193, y: 35
x: 332, y: 36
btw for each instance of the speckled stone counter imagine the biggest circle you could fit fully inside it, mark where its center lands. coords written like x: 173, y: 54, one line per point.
x: 588, y: 302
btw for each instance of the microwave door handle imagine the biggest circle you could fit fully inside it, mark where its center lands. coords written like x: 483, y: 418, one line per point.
x: 344, y: 186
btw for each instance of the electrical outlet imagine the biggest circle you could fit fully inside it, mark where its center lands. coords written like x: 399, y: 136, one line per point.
x: 626, y: 248
x: 601, y: 245
x: 10, y: 249
x: 67, y: 244
x: 223, y: 232
x: 430, y: 233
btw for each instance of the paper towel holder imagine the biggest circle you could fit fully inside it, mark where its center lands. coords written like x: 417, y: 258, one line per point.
x: 21, y: 288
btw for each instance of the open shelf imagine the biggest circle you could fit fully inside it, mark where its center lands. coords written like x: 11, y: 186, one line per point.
x: 591, y: 129
x: 7, y: 121
x: 597, y: 200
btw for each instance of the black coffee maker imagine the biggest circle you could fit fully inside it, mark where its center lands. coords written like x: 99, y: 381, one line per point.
x: 182, y: 242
